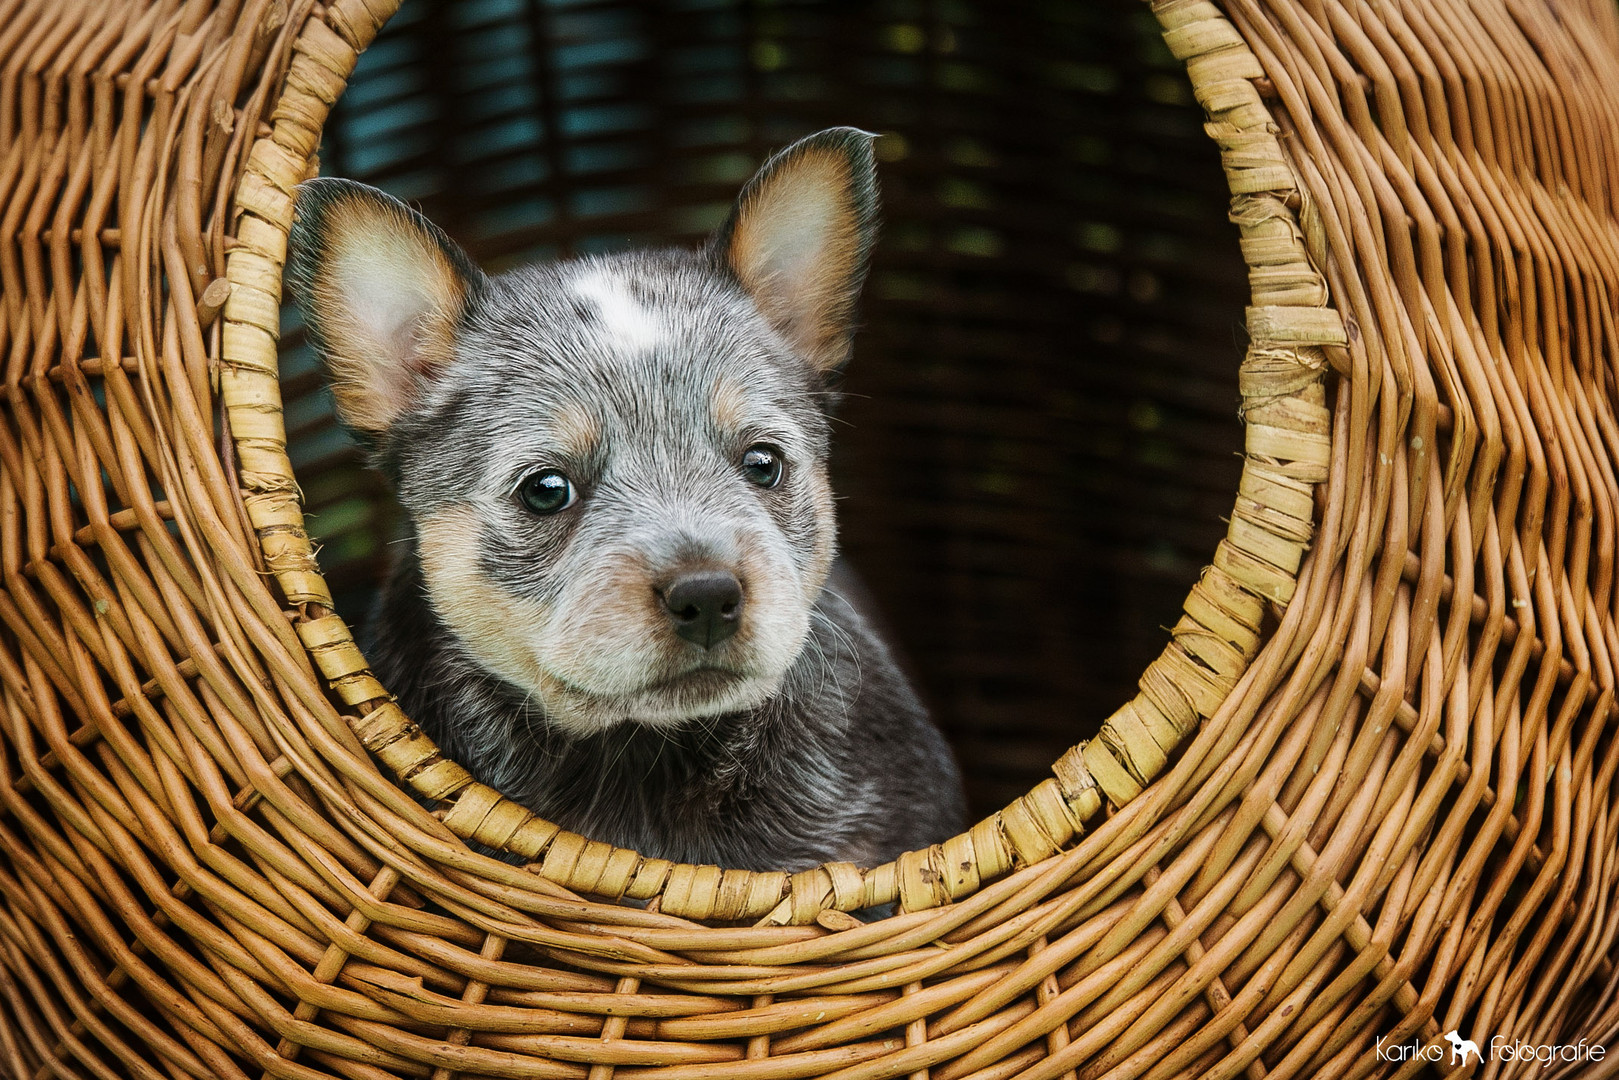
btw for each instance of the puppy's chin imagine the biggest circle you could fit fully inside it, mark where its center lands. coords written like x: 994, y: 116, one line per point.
x: 667, y: 704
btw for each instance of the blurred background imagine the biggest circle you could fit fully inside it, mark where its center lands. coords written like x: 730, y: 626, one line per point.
x: 1039, y: 436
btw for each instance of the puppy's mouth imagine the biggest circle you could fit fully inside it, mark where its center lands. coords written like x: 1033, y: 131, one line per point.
x: 698, y: 681
x: 666, y: 701
x: 692, y: 684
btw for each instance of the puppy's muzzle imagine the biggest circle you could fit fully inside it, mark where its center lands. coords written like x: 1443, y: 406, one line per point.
x: 704, y: 606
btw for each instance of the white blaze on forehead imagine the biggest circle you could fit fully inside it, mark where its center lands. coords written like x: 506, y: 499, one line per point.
x: 628, y: 325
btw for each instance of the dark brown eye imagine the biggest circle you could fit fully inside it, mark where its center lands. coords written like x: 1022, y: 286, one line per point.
x: 545, y: 492
x: 763, y: 465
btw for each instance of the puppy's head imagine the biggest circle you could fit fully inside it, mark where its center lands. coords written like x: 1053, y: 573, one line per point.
x: 616, y: 466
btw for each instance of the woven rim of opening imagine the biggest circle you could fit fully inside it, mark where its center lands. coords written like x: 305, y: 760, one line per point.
x: 1293, y: 333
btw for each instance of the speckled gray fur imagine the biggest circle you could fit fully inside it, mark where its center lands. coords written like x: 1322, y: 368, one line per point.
x: 831, y: 757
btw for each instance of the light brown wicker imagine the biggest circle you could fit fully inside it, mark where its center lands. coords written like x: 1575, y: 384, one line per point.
x: 1383, y: 814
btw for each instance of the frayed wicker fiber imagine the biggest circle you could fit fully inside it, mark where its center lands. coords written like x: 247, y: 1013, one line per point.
x: 1363, y: 798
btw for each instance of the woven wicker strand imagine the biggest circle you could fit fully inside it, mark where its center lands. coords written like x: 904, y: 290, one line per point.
x: 1364, y: 797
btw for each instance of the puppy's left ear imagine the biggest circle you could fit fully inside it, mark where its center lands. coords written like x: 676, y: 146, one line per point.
x: 383, y: 290
x: 799, y: 239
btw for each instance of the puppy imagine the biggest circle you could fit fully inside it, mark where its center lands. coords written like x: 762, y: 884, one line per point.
x: 618, y: 604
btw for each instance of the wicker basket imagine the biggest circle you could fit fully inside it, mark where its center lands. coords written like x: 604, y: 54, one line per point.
x: 1361, y: 799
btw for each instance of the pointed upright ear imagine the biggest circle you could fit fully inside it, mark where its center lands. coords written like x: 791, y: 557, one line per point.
x: 799, y: 239
x: 382, y: 290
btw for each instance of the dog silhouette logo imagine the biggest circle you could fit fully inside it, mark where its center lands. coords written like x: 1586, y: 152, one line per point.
x: 1460, y: 1048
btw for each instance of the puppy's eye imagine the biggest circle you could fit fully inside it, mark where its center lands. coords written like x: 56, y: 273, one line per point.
x: 545, y: 492
x: 762, y: 464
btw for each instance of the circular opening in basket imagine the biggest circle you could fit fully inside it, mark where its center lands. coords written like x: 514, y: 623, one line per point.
x: 1039, y: 436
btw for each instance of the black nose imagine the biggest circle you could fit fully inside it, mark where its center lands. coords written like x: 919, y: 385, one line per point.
x: 704, y: 605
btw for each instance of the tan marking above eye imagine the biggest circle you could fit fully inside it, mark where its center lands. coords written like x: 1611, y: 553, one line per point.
x: 576, y: 430
x: 728, y: 405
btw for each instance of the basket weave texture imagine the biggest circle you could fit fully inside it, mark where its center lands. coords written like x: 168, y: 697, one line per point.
x: 1363, y: 797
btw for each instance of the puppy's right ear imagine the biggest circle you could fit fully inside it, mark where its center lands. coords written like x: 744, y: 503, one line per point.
x: 383, y: 290
x: 799, y: 238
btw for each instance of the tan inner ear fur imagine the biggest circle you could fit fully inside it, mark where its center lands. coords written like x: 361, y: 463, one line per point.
x: 379, y: 263
x: 806, y: 204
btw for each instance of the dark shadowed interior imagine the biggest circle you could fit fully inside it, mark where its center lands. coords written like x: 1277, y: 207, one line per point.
x: 1039, y: 435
